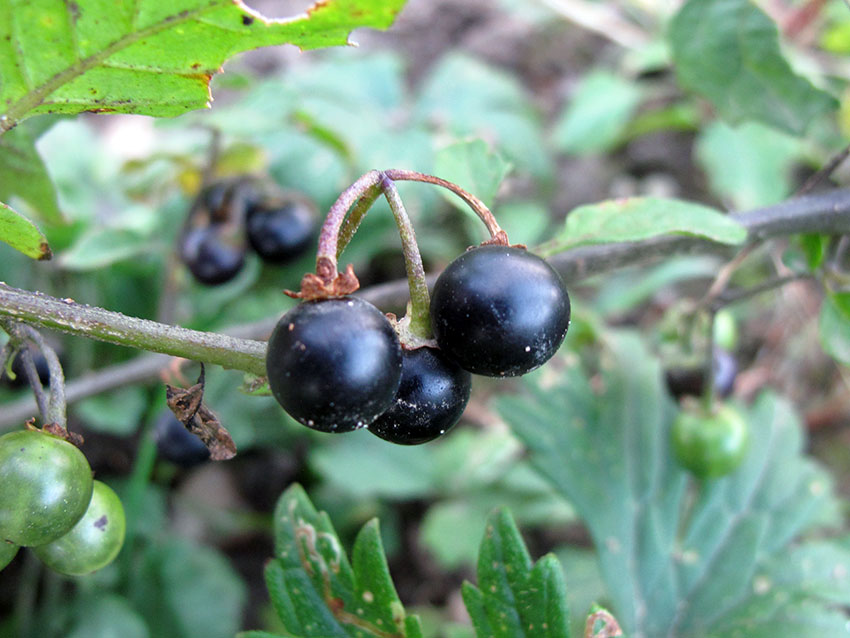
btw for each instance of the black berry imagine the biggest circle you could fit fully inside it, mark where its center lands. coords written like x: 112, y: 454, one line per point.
x: 41, y: 368
x: 280, y: 234
x: 176, y: 444
x: 500, y: 311
x: 334, y: 365
x: 689, y: 381
x: 430, y: 399
x: 209, y: 257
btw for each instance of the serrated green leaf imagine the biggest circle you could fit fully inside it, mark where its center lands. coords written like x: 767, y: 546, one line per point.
x: 153, y: 57
x: 728, y: 51
x: 749, y: 165
x: 21, y: 234
x: 637, y: 218
x: 514, y: 598
x: 597, y: 115
x: 672, y: 566
x: 316, y: 592
x: 23, y: 175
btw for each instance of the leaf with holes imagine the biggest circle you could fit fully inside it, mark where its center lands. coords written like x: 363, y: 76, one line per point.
x: 21, y: 234
x: 680, y: 560
x: 728, y: 51
x: 314, y: 588
x: 515, y: 598
x: 153, y: 57
x: 638, y: 218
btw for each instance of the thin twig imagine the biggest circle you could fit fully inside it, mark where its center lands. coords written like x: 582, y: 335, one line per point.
x: 824, y: 172
x: 730, y: 297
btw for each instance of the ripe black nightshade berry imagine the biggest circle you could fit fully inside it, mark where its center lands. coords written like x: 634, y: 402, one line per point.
x: 430, y: 399
x: 280, y: 234
x: 210, y: 258
x: 335, y: 364
x: 176, y: 444
x: 499, y: 311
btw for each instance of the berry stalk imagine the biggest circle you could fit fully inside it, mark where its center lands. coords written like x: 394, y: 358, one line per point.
x: 418, y: 314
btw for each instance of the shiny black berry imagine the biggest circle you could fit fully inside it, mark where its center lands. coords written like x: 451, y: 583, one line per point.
x: 176, y: 444
x: 499, y: 311
x: 209, y: 256
x: 430, y: 399
x: 280, y: 234
x: 334, y: 365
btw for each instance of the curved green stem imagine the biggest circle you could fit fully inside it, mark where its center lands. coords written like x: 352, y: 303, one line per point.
x: 358, y: 212
x: 480, y: 208
x: 326, y: 255
x: 420, y: 301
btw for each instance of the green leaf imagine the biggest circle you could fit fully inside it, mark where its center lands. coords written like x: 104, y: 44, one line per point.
x: 515, y: 599
x: 118, y: 412
x: 189, y: 591
x: 637, y: 218
x: 674, y: 563
x: 105, y: 616
x: 749, y: 165
x: 22, y: 235
x: 152, y: 57
x: 468, y: 98
x: 102, y: 246
x: 815, y: 248
x: 834, y: 327
x: 728, y: 51
x: 597, y: 115
x: 316, y: 592
x: 23, y: 175
x: 473, y: 166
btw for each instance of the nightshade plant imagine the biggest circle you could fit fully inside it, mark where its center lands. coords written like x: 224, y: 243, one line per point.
x: 756, y: 552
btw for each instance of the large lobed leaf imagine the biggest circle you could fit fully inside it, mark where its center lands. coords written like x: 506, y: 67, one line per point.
x: 515, y: 599
x: 679, y: 562
x: 314, y: 588
x: 728, y: 51
x: 153, y: 57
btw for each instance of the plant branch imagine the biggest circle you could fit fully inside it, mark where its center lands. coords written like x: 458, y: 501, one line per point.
x: 827, y: 213
x: 68, y: 316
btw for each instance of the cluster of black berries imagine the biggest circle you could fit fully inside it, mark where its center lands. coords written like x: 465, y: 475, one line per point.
x: 278, y: 227
x: 337, y: 364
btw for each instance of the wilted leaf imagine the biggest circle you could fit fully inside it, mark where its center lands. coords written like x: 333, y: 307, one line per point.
x: 153, y: 57
x: 728, y: 51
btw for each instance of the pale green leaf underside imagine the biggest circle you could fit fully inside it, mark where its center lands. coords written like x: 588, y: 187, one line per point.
x: 638, y: 218
x: 21, y: 234
x: 153, y: 57
x: 674, y: 565
x: 728, y: 51
x: 23, y: 175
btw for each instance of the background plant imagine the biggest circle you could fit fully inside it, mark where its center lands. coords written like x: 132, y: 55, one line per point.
x: 684, y: 101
